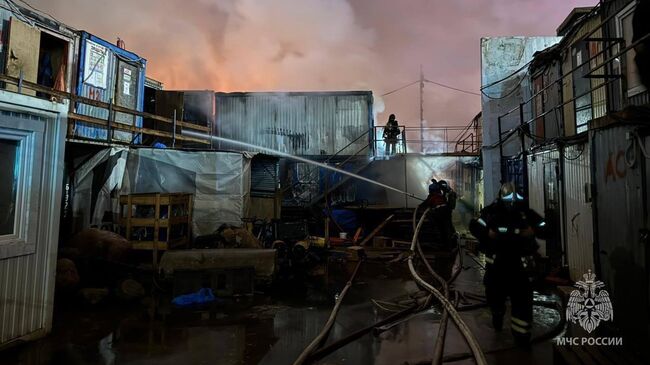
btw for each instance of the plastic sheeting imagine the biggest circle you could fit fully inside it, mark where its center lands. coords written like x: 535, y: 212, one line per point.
x: 220, y: 182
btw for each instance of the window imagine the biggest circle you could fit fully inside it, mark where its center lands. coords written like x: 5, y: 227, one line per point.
x: 624, y: 30
x: 9, y: 165
x: 21, y: 160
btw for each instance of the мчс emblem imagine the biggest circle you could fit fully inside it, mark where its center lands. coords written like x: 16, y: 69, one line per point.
x: 587, y: 307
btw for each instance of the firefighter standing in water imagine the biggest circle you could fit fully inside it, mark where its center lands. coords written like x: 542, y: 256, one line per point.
x: 391, y: 131
x: 506, y: 231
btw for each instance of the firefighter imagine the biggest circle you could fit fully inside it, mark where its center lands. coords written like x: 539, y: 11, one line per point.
x: 391, y: 131
x: 506, y: 231
x: 450, y: 199
x: 436, y: 201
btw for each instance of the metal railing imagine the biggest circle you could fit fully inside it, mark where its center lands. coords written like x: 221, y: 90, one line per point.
x: 110, y: 123
x: 444, y: 140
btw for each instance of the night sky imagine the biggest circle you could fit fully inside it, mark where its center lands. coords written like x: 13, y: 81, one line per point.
x: 257, y: 45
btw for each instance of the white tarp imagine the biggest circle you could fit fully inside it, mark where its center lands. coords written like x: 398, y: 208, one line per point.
x: 219, y: 181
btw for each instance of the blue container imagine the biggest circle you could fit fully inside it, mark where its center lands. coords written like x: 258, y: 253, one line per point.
x: 107, y: 72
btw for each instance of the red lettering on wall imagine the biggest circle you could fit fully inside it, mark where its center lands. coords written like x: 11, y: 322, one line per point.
x: 615, y: 166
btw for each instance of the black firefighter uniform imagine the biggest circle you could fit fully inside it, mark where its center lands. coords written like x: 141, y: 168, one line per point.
x: 509, y: 254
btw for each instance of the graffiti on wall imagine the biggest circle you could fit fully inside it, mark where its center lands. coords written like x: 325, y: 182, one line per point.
x: 615, y: 167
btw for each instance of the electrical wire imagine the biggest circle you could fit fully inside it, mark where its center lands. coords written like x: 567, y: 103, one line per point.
x: 573, y: 28
x: 15, y: 10
x: 42, y: 12
x: 452, y: 88
x: 514, y: 89
x: 400, y: 88
x: 483, y: 87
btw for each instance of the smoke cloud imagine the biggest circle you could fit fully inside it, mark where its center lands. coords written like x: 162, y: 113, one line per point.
x: 283, y: 45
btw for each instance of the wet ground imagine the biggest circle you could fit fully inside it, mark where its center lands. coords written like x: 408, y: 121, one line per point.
x: 275, y: 329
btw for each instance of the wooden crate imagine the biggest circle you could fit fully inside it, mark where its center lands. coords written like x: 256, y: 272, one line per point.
x: 156, y: 221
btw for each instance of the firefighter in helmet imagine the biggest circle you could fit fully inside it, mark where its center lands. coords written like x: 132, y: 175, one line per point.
x: 506, y: 230
x: 391, y: 131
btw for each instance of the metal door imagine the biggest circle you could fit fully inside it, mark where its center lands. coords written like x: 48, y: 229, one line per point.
x: 126, y: 90
x: 552, y: 213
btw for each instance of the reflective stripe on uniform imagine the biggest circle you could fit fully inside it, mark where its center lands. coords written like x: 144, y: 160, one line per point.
x: 520, y: 322
x: 482, y: 222
x: 489, y: 260
x: 503, y: 229
x: 518, y: 329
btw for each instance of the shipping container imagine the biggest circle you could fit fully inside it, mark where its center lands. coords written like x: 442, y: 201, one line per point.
x: 109, y: 74
x: 620, y: 170
x: 578, y: 219
x: 301, y: 123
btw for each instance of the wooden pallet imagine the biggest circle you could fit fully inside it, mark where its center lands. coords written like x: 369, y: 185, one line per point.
x: 155, y: 220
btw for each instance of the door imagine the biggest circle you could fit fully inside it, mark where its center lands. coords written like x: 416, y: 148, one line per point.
x: 552, y: 213
x: 126, y: 90
x: 22, y: 55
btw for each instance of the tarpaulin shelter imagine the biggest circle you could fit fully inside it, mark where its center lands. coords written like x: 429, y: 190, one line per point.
x: 219, y: 181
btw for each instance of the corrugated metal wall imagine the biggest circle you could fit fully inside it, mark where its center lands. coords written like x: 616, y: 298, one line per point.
x: 536, y: 187
x: 23, y: 284
x: 297, y: 123
x: 85, y: 130
x: 620, y: 202
x: 27, y: 278
x: 579, y: 218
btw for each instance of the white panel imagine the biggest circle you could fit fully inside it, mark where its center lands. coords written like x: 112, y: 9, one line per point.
x: 27, y: 280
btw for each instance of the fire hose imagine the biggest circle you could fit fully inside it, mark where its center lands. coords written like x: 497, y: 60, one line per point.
x: 322, y: 336
x: 447, y: 305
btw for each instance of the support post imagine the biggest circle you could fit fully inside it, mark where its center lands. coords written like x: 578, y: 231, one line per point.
x: 522, y: 136
x: 174, y: 130
x: 501, y: 168
x: 111, y: 116
x: 421, y: 110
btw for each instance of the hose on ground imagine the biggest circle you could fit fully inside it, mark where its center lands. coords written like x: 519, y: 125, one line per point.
x: 542, y: 337
x: 442, y: 329
x: 322, y: 336
x: 447, y: 305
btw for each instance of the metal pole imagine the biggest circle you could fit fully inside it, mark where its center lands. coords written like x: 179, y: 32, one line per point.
x: 421, y: 110
x: 406, y: 198
x: 327, y: 209
x: 503, y: 176
x: 174, y: 131
x: 20, y: 82
x: 522, y: 136
x: 111, y: 115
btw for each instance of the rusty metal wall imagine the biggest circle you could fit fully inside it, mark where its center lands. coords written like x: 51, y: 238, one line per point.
x: 620, y: 205
x: 579, y: 218
x: 318, y: 123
